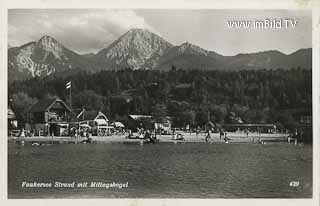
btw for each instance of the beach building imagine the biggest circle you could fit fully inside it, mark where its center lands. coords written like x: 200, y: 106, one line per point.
x: 50, y: 117
x: 148, y: 122
x: 12, y: 119
x: 254, y: 127
x: 12, y: 123
x: 162, y: 124
x: 140, y: 121
x: 303, y: 119
x: 96, y: 121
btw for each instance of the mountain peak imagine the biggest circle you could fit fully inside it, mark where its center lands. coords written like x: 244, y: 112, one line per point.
x: 138, y: 30
x: 133, y: 48
x: 140, y: 49
x: 137, y: 34
x: 49, y: 44
x: 191, y: 48
x: 188, y: 45
x: 43, y: 57
x: 47, y: 38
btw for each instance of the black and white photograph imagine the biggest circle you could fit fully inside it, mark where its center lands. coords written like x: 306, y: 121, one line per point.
x: 111, y: 103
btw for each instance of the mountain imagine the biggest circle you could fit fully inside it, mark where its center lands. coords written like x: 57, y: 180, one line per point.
x: 270, y: 60
x: 42, y: 58
x: 189, y: 56
x: 302, y: 57
x: 267, y: 59
x: 133, y: 49
x: 139, y: 49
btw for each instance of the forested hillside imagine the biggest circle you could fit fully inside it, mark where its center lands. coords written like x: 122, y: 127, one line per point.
x: 189, y: 96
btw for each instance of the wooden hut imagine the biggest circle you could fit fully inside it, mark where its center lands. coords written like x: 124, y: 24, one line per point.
x: 50, y: 117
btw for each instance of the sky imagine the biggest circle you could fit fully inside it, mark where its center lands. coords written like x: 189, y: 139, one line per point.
x: 90, y: 30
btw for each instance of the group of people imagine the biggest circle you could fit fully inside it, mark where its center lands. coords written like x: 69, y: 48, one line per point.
x: 77, y: 133
x: 143, y: 134
x: 295, y: 136
x: 222, y: 135
x: 177, y: 136
x: 26, y: 133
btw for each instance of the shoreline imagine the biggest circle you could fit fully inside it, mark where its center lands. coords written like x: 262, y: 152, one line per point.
x: 189, y: 138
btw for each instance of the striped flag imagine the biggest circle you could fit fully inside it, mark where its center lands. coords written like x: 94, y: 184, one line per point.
x: 68, y: 85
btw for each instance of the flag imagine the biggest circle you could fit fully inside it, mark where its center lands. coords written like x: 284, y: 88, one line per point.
x: 68, y: 85
x: 81, y: 113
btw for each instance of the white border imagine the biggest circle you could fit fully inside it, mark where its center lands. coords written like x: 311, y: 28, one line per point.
x: 163, y: 4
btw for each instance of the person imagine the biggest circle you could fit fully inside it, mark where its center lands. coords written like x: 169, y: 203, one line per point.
x: 225, y: 137
x: 89, y: 139
x: 148, y: 138
x: 221, y: 133
x: 22, y: 134
x: 296, y: 134
x: 197, y: 131
x: 76, y: 133
x: 87, y: 132
x: 208, y: 137
x: 72, y: 132
x: 49, y: 129
x: 31, y: 133
x: 174, y: 136
x: 129, y: 134
x: 155, y: 134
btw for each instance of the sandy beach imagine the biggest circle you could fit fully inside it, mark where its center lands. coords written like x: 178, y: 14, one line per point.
x: 189, y: 138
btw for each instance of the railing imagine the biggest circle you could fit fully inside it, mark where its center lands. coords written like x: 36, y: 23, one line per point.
x: 15, y: 133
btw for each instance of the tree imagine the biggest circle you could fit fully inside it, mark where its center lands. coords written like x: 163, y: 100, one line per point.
x: 159, y: 110
x: 21, y: 104
x: 90, y: 100
x: 287, y: 121
x: 218, y: 112
x: 188, y: 118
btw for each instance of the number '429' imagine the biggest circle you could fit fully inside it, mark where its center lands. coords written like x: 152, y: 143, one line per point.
x: 294, y: 183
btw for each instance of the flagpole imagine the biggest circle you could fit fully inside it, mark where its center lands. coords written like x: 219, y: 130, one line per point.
x: 70, y: 96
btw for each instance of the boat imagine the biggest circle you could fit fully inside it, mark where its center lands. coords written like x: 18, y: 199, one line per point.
x: 178, y: 137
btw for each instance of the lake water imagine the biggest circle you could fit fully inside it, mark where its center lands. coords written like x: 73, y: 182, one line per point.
x: 165, y: 170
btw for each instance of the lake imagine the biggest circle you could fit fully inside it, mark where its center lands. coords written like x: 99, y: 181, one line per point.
x: 165, y: 170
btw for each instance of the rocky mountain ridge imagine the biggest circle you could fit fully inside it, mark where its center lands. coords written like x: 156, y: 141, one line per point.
x: 140, y: 49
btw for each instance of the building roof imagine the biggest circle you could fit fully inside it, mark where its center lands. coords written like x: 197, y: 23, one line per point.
x: 140, y: 117
x: 45, y: 104
x: 143, y: 120
x: 90, y: 115
x: 155, y: 119
x: 11, y: 114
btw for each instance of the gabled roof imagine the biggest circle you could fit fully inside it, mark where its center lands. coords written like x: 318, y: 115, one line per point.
x: 90, y: 115
x: 45, y: 104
